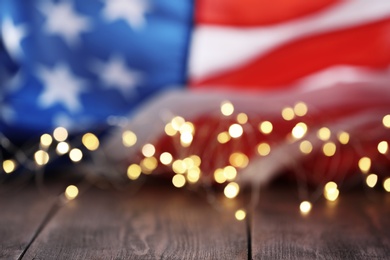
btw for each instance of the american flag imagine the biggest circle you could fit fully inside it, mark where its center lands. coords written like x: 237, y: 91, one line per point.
x: 86, y: 64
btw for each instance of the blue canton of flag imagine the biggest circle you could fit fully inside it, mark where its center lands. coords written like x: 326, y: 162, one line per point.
x: 76, y: 63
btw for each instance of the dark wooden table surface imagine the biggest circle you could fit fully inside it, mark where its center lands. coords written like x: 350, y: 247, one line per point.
x: 162, y: 222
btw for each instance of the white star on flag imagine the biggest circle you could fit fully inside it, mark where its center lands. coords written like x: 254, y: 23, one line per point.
x: 12, y: 36
x: 132, y: 11
x: 63, y: 21
x: 115, y: 74
x: 60, y: 87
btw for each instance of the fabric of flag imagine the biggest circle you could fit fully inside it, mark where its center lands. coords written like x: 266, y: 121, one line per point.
x: 84, y: 64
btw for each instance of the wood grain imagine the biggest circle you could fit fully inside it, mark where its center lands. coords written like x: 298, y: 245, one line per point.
x: 356, y: 227
x: 155, y: 223
x: 21, y: 214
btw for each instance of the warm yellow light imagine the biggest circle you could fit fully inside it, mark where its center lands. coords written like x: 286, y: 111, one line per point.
x: 46, y: 140
x: 230, y: 172
x: 219, y: 176
x: 186, y: 139
x: 223, y: 137
x: 263, y: 149
x: 331, y: 192
x: 306, y: 147
x: 196, y: 159
x: 386, y: 121
x: 242, y: 118
x: 299, y: 130
x: 71, y: 192
x: 179, y: 167
x: 189, y: 163
x: 129, y: 138
x: 383, y: 147
x: 41, y: 157
x: 134, y: 171
x: 305, y: 207
x: 62, y: 148
x: 240, y: 214
x: 193, y: 174
x: 386, y: 185
x: 187, y: 127
x: 231, y: 190
x: 9, y: 166
x: 60, y: 134
x: 329, y: 149
x: 169, y: 130
x: 148, y: 164
x: 178, y: 180
x: 177, y: 122
x: 166, y: 158
x: 235, y: 130
x: 300, y: 109
x: 266, y: 127
x: 324, y: 134
x: 148, y: 150
x: 90, y: 141
x: 238, y: 160
x: 75, y: 155
x: 227, y: 108
x: 288, y: 113
x: 364, y: 164
x: 343, y: 137
x: 371, y: 180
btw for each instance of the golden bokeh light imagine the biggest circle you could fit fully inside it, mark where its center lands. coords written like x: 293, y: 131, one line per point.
x: 331, y: 191
x: 178, y: 180
x: 41, y: 157
x: 266, y: 127
x: 134, y: 171
x: 62, y: 148
x: 148, y: 164
x: 240, y: 214
x: 300, y: 109
x: 329, y: 149
x: 169, y: 130
x: 231, y: 190
x: 193, y: 174
x: 186, y: 139
x: 90, y: 141
x: 71, y: 192
x: 196, y: 159
x: 343, y: 137
x: 227, y: 108
x: 9, y: 166
x: 242, y: 118
x: 364, y: 164
x: 46, y: 140
x: 166, y: 158
x: 305, y: 207
x: 371, y: 180
x: 219, y: 176
x: 386, y: 184
x: 179, y: 167
x: 383, y: 146
x: 60, y: 134
x: 386, y: 121
x: 129, y: 138
x: 324, y: 134
x: 238, y: 160
x: 305, y: 147
x: 299, y: 130
x: 263, y: 149
x: 177, y: 122
x: 288, y: 113
x: 75, y: 155
x: 223, y: 137
x: 230, y: 172
x: 148, y: 150
x: 235, y: 130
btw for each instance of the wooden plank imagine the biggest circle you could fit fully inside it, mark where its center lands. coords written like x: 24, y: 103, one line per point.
x: 155, y: 223
x: 23, y: 211
x: 357, y: 226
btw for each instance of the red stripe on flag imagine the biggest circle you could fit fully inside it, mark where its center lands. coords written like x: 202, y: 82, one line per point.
x: 254, y: 12
x: 366, y: 45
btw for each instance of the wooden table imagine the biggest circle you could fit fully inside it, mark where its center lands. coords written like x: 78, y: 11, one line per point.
x: 162, y: 222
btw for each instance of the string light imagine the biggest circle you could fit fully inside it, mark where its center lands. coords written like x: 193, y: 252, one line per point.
x: 324, y: 134
x: 71, y: 192
x: 148, y: 150
x: 166, y: 158
x: 60, y: 134
x: 288, y: 113
x: 386, y: 184
x: 300, y: 109
x: 383, y: 146
x: 90, y: 141
x: 41, y: 157
x: 62, y: 148
x: 230, y: 172
x: 371, y: 180
x: 386, y: 121
x: 177, y: 122
x: 9, y: 166
x: 305, y: 147
x: 240, y: 214
x: 238, y: 160
x: 219, y: 176
x: 242, y: 118
x: 227, y: 108
x: 129, y: 138
x: 331, y: 191
x: 266, y: 127
x: 149, y: 164
x: 263, y: 149
x: 231, y: 190
x: 299, y: 130
x: 235, y: 130
x: 305, y: 207
x: 134, y: 171
x: 223, y: 137
x: 329, y: 149
x: 343, y: 137
x: 178, y: 181
x: 75, y: 155
x: 364, y: 164
x: 46, y: 140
